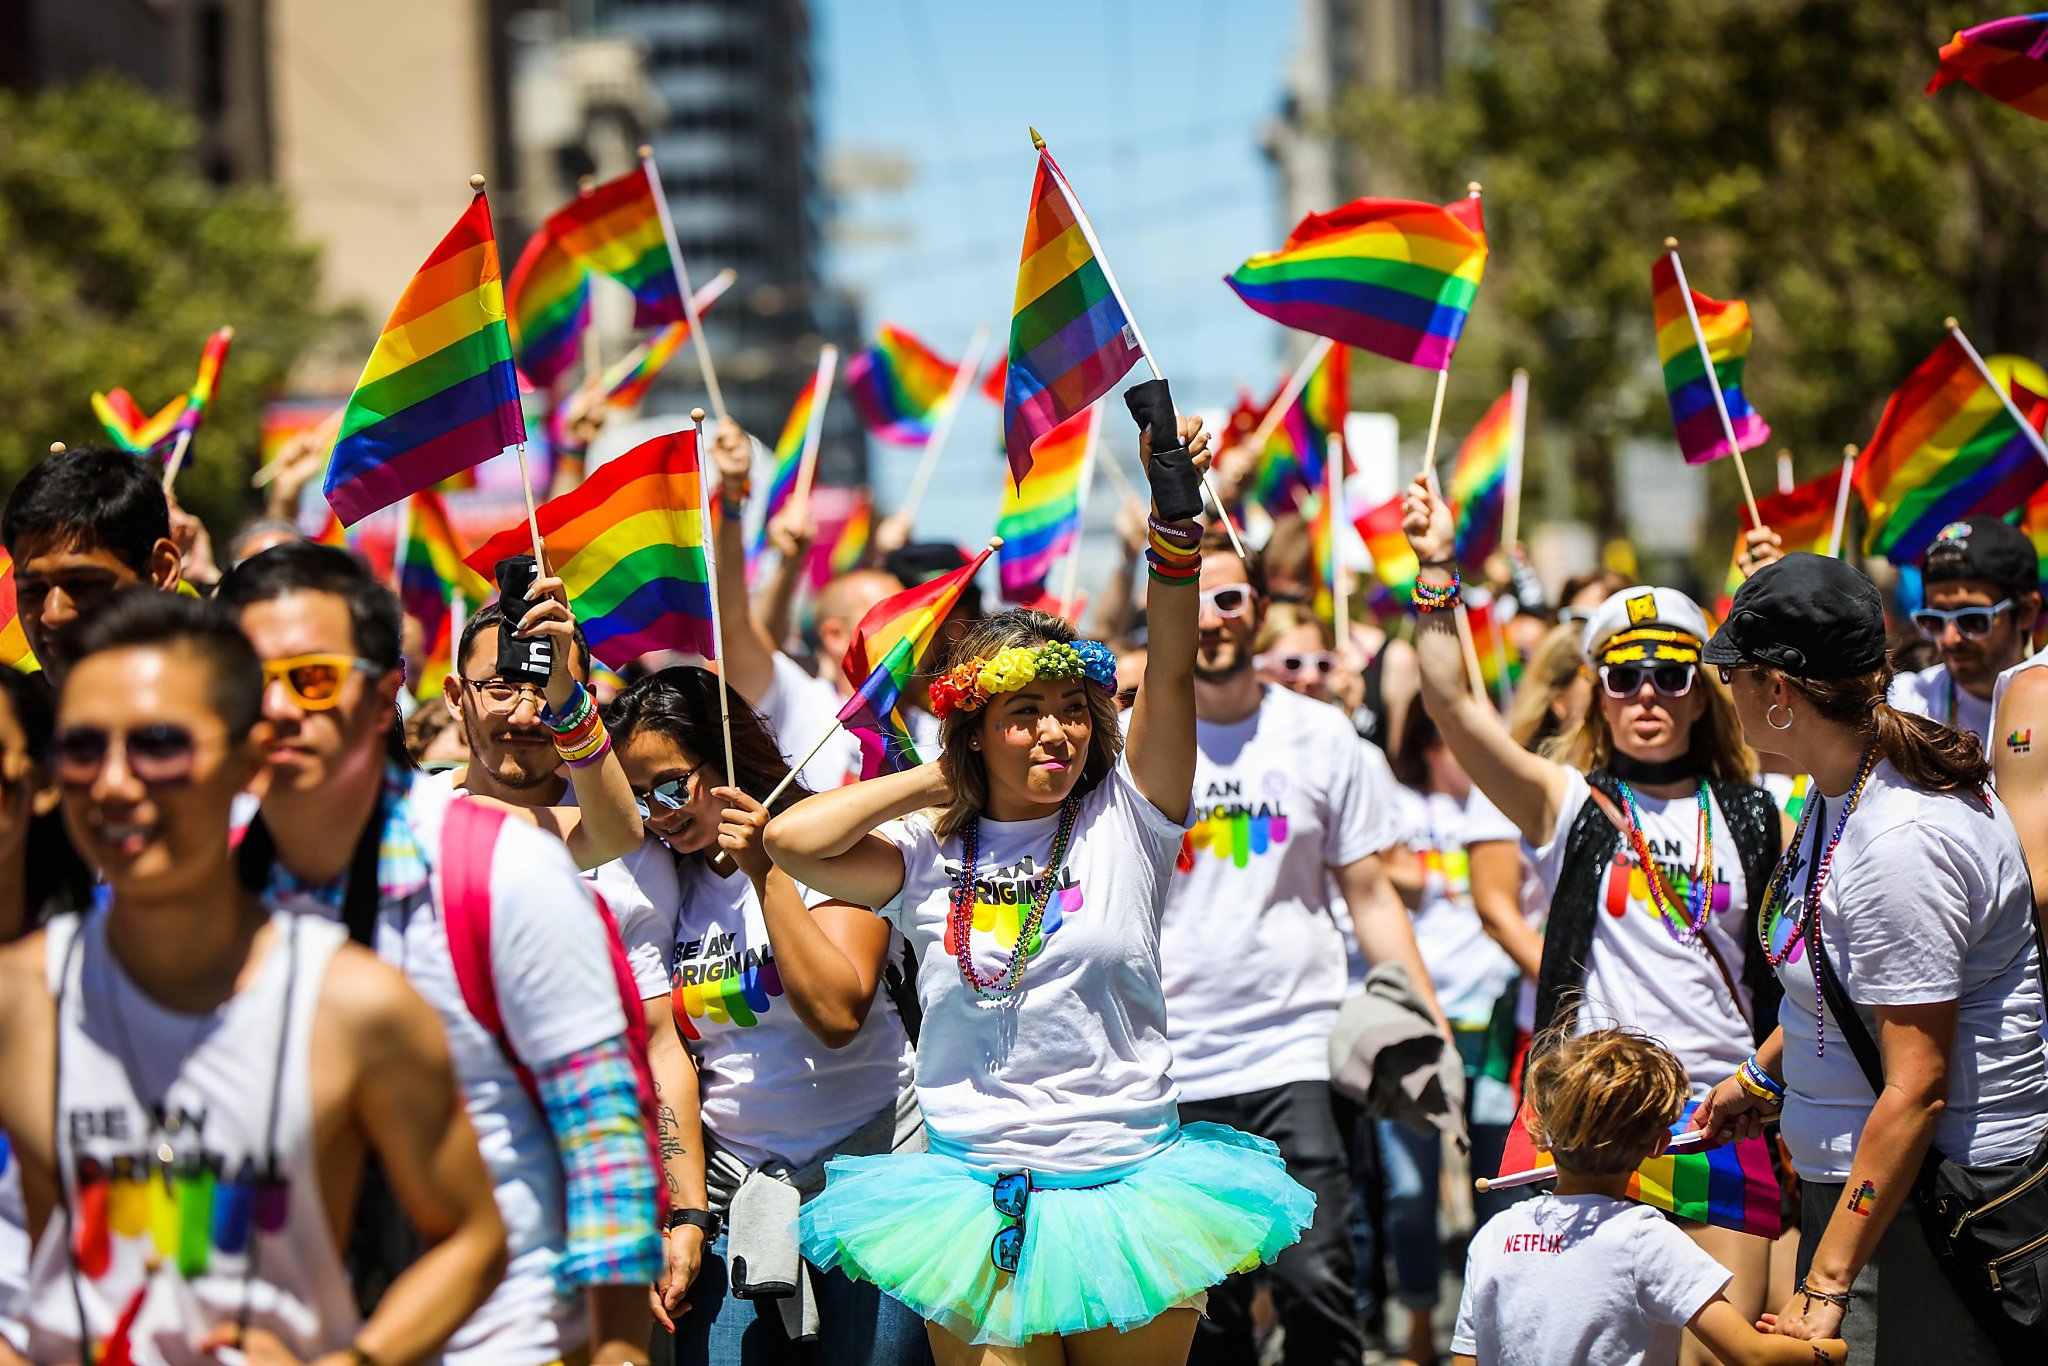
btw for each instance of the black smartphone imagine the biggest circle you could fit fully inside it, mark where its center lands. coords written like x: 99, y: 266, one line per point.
x: 521, y: 659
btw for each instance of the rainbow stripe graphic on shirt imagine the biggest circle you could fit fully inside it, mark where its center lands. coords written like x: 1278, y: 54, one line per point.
x: 1454, y: 867
x: 189, y: 1212
x: 715, y: 979
x: 1234, y: 831
x: 1626, y: 886
x: 1004, y: 897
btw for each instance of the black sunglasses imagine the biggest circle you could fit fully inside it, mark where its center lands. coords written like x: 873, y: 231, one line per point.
x: 1626, y: 680
x: 158, y: 754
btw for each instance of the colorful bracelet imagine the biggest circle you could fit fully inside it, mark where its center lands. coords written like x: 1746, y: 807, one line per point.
x: 1430, y: 597
x: 1170, y: 563
x: 586, y: 744
x: 572, y: 713
x: 1752, y: 1078
x: 1180, y: 535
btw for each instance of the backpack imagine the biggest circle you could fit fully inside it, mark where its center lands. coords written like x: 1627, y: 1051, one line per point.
x: 469, y: 838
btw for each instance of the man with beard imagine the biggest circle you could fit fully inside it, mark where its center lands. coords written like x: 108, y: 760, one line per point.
x: 1981, y: 581
x: 1286, y: 800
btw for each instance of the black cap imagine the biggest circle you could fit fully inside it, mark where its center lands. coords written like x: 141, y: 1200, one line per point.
x: 1810, y: 615
x: 922, y: 561
x: 1986, y: 548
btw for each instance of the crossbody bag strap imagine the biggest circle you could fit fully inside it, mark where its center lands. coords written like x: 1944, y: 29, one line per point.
x: 1854, y: 1032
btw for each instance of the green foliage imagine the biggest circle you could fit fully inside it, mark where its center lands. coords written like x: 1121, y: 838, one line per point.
x: 1788, y: 145
x: 116, y: 261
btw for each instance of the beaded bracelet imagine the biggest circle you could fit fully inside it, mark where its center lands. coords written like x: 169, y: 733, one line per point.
x: 1430, y: 597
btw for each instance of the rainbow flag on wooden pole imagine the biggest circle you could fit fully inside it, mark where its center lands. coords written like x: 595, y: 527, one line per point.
x: 627, y: 381
x: 1731, y: 342
x: 1477, y: 488
x: 796, y: 450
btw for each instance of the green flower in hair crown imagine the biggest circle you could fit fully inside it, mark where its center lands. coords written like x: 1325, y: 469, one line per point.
x: 969, y: 685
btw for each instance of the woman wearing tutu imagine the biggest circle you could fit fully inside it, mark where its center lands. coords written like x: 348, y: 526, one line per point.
x: 1062, y: 1213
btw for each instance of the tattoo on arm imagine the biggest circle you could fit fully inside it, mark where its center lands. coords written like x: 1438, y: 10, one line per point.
x: 1865, y: 1194
x: 669, y: 1128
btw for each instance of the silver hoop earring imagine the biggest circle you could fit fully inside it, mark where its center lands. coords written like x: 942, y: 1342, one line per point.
x: 1773, y: 724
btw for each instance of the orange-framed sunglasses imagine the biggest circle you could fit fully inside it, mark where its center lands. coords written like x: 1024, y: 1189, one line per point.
x: 315, y: 681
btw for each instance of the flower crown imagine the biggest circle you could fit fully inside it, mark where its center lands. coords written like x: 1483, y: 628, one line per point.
x: 969, y: 685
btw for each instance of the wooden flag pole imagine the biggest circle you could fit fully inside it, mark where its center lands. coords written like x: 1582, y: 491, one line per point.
x: 1842, y: 502
x: 1518, y: 413
x: 184, y: 441
x: 675, y: 256
x: 2012, y: 409
x: 540, y: 561
x: 814, y: 429
x: 942, y: 425
x: 1340, y: 588
x: 711, y: 567
x: 329, y: 425
x: 1692, y: 315
x: 1443, y: 380
x: 1787, y: 477
x: 1290, y: 391
x: 1109, y: 278
x: 1073, y: 565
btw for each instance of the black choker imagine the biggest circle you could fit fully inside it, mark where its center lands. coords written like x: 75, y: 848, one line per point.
x: 1644, y: 774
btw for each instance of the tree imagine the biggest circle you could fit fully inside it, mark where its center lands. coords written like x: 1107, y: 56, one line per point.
x: 1788, y: 145
x: 116, y: 261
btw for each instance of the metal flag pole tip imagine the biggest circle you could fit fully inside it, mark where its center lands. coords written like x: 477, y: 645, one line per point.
x: 476, y: 184
x: 1037, y: 142
x: 1671, y: 244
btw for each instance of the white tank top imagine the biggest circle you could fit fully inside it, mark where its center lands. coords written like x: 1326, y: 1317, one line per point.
x: 186, y: 1149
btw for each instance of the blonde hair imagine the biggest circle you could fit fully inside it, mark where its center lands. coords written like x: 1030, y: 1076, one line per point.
x: 1283, y: 617
x: 1551, y: 671
x: 1716, y: 735
x: 1601, y: 1102
x: 966, y: 771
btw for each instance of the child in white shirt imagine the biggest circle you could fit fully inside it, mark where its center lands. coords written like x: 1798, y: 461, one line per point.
x: 1585, y: 1274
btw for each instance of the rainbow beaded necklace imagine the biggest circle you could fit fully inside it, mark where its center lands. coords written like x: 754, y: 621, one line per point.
x: 1684, y: 926
x: 999, y: 985
x: 1777, y: 901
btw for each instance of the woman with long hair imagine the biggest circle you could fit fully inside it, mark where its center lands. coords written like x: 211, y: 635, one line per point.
x: 1554, y: 693
x: 1901, y: 925
x: 1063, y: 1214
x: 795, y: 1063
x: 1646, y: 828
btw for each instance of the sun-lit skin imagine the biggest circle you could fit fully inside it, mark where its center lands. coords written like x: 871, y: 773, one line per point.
x: 517, y: 748
x: 1976, y: 664
x: 58, y: 585
x: 1304, y: 639
x: 1650, y: 726
x: 313, y: 750
x: 1223, y: 644
x: 651, y: 759
x: 1033, y: 744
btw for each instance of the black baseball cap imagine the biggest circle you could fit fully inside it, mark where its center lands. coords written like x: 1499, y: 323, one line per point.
x: 1810, y: 615
x: 1989, y: 549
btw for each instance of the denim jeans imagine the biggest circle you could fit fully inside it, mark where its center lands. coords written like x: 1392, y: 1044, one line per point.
x: 1413, y: 1165
x: 857, y: 1325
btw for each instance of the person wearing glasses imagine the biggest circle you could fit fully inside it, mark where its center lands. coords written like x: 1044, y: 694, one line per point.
x: 1648, y: 829
x: 1981, y: 582
x: 348, y: 831
x: 195, y: 1074
x: 801, y: 1055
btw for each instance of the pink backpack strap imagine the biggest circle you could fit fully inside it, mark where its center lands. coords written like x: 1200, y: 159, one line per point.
x: 469, y: 836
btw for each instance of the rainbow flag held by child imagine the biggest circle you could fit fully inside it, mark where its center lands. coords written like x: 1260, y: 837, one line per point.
x: 1478, y: 486
x: 2007, y: 59
x: 628, y: 545
x: 899, y: 385
x: 887, y: 658
x: 1390, y: 276
x: 547, y: 306
x: 1725, y: 325
x: 1040, y: 518
x: 431, y: 575
x: 615, y: 229
x: 14, y: 651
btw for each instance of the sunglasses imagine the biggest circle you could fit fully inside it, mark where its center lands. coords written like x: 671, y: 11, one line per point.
x: 1233, y: 601
x: 501, y: 697
x: 672, y: 795
x: 1626, y: 680
x: 1318, y: 662
x: 315, y: 681
x: 158, y: 754
x: 1972, y: 623
x: 1012, y: 1195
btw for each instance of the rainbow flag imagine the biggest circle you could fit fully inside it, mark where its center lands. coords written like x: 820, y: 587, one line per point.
x: 200, y: 397
x: 138, y: 434
x: 899, y: 384
x: 1393, y: 560
x: 2007, y: 59
x: 430, y: 575
x: 2034, y: 521
x: 1725, y: 325
x: 1499, y: 666
x: 547, y: 306
x: 626, y: 383
x: 1478, y: 486
x: 1040, y: 519
x: 14, y: 651
x: 440, y: 393
x: 789, y: 450
x: 843, y: 536
x: 1070, y: 339
x: 888, y: 648
x: 628, y: 544
x: 1390, y: 276
x: 1732, y: 1186
x: 615, y: 229
x: 1322, y: 546
x: 1803, y: 517
x: 1945, y: 449
x: 1294, y: 462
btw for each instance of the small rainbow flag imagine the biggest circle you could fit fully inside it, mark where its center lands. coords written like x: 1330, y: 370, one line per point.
x: 2034, y: 521
x: 1393, y: 559
x: 1732, y: 1186
x: 843, y: 534
x: 1390, y: 276
x: 1322, y: 546
x: 789, y: 447
x: 615, y: 229
x: 626, y: 383
x: 1947, y: 448
x: 14, y: 651
x: 431, y: 575
x: 1499, y: 666
x: 1803, y: 517
x: 547, y: 303
x: 628, y: 544
x: 440, y: 392
x: 1070, y: 339
x: 138, y: 434
x: 200, y: 397
x: 1479, y: 482
x: 884, y: 660
x: 1040, y: 518
x: 1294, y: 462
x: 1725, y: 325
x: 2007, y: 59
x: 899, y: 384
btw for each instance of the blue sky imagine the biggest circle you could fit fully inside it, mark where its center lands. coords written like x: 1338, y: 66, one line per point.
x: 1168, y: 168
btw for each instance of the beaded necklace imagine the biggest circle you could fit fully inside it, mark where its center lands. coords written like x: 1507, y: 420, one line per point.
x: 997, y: 986
x: 1684, y: 926
x: 1777, y: 899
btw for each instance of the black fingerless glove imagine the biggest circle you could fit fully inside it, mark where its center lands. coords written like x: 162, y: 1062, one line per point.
x: 1176, y: 485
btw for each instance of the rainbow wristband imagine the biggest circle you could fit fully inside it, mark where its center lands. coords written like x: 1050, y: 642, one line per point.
x: 586, y: 744
x: 1429, y: 597
x: 572, y: 714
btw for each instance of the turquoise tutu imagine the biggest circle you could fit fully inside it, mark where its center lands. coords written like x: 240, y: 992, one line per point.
x: 1115, y: 1255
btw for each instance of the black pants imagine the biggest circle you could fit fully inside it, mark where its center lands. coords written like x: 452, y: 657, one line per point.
x: 1311, y: 1281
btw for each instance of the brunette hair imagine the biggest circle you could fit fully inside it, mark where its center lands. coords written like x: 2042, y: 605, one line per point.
x: 1288, y: 556
x: 56, y: 877
x: 1283, y: 617
x: 1410, y: 759
x: 680, y: 704
x: 1608, y: 581
x: 1601, y: 1101
x: 1552, y: 669
x: 1216, y: 541
x: 966, y: 772
x: 1926, y: 753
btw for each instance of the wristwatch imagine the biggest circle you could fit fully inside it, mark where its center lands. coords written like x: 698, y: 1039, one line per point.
x: 696, y: 1218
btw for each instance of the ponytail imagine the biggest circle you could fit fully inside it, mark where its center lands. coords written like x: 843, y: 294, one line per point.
x: 1926, y: 753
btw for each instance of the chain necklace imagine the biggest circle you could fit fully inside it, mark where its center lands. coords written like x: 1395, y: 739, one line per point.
x: 1777, y: 898
x: 996, y: 986
x: 1684, y: 926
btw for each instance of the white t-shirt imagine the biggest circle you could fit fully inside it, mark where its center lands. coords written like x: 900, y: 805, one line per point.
x: 1932, y: 693
x: 1927, y: 900
x: 1072, y: 1073
x: 1252, y: 960
x: 641, y: 892
x: 1468, y: 969
x: 1581, y: 1278
x: 14, y: 1250
x: 1485, y: 823
x: 801, y: 710
x: 1637, y: 974
x: 771, y: 1090
x: 556, y: 996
